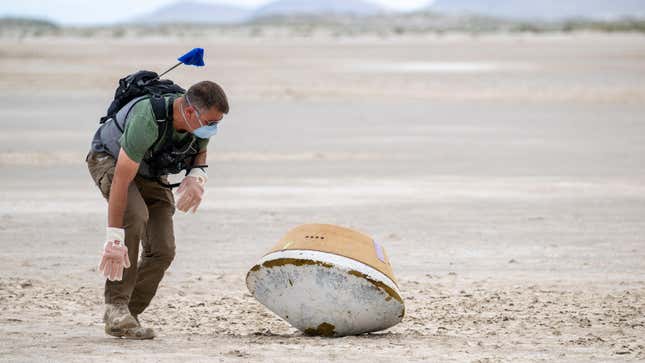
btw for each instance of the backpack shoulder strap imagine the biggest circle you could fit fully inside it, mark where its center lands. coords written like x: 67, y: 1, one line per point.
x: 163, y: 116
x: 159, y: 108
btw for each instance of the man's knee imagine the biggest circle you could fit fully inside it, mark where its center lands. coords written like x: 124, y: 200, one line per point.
x: 167, y: 257
x: 162, y: 259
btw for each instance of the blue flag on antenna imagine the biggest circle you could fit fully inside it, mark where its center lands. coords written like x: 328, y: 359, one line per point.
x: 193, y: 58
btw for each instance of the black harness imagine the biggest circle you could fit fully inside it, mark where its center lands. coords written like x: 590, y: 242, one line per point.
x: 169, y: 158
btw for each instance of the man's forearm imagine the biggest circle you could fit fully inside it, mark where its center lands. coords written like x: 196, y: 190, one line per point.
x: 117, y: 202
x: 124, y: 173
x: 200, y: 159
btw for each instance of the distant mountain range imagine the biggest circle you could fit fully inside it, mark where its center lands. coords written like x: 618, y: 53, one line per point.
x: 543, y: 9
x: 318, y: 7
x: 198, y: 12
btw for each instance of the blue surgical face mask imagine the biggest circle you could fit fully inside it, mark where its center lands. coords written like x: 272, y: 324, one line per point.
x: 203, y: 132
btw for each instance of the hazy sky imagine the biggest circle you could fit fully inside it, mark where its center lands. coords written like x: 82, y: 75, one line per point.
x: 106, y: 11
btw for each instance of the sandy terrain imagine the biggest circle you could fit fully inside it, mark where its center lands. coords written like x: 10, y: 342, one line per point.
x: 505, y: 175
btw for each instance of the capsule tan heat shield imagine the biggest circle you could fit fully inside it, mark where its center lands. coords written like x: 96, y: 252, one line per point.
x: 328, y: 280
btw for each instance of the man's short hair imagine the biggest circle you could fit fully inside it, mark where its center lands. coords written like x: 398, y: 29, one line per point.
x: 207, y: 94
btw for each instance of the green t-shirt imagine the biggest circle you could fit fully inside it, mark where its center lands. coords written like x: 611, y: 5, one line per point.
x: 141, y: 132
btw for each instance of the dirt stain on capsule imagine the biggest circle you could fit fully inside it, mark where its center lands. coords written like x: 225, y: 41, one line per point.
x: 295, y: 262
x: 388, y: 290
x: 324, y: 329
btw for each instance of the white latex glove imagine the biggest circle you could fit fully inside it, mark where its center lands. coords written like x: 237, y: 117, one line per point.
x: 191, y: 190
x: 114, y: 257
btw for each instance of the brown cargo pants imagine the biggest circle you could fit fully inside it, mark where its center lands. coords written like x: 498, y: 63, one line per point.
x: 148, y: 218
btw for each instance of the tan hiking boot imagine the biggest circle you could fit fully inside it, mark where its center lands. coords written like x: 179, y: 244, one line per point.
x: 139, y: 332
x: 121, y: 324
x: 118, y: 319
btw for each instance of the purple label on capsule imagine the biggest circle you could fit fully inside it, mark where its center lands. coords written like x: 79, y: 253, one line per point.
x: 379, y: 251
